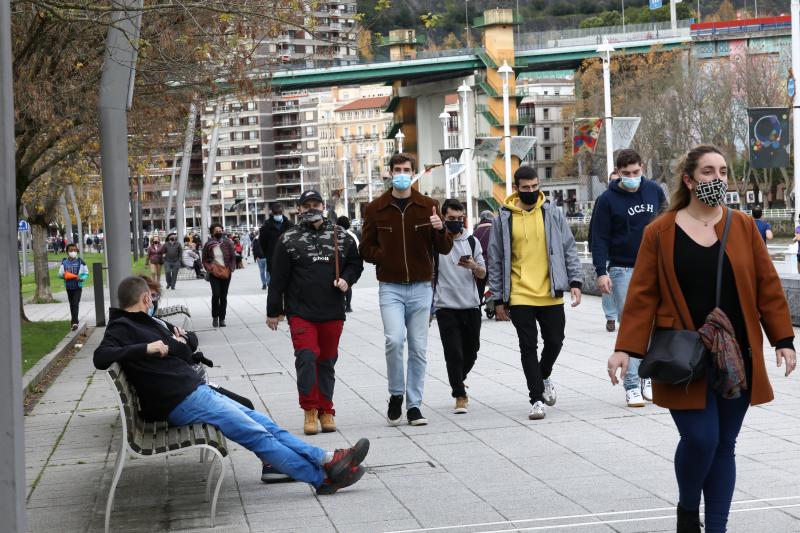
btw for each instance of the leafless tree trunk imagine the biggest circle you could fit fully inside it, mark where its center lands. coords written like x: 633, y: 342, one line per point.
x: 41, y: 272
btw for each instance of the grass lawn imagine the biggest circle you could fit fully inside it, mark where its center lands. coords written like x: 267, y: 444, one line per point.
x: 57, y: 284
x: 39, y: 338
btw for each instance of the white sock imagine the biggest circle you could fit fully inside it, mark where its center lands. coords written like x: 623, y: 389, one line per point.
x: 328, y: 457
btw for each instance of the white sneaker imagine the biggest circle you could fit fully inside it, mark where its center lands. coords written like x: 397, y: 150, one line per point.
x: 634, y: 397
x: 537, y: 411
x: 549, y: 394
x: 647, y: 389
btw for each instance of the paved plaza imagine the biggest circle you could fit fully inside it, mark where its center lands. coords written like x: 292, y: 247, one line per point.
x: 592, y: 465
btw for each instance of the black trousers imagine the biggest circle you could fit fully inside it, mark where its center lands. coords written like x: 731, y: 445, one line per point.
x: 551, y: 320
x: 74, y: 296
x: 348, y: 297
x: 198, y: 268
x: 219, y: 296
x: 460, y: 330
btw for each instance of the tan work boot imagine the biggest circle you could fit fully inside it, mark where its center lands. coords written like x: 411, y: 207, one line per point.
x: 461, y: 405
x: 327, y: 422
x: 310, y: 426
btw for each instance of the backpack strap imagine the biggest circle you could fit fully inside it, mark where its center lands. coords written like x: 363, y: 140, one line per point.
x: 471, y: 240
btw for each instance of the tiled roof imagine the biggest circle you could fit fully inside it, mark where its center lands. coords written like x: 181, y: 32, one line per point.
x: 366, y: 103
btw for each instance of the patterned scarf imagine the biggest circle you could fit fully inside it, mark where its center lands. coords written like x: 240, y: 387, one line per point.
x: 718, y: 336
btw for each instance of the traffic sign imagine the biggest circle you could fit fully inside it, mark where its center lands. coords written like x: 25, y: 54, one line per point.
x: 23, y: 225
x: 655, y: 4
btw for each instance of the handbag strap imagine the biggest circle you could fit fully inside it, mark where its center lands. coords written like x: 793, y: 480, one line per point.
x: 722, y: 254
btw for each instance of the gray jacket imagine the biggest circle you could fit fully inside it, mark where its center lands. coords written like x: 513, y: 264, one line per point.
x: 565, y: 266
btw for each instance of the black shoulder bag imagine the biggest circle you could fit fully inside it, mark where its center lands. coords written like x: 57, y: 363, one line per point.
x: 679, y: 357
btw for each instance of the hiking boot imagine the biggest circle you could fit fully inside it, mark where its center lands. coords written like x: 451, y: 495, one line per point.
x: 351, y: 477
x: 215, y: 322
x: 537, y: 411
x: 647, y: 389
x: 395, y: 411
x: 549, y: 394
x: 462, y: 402
x: 634, y: 398
x: 611, y: 325
x: 310, y: 426
x: 327, y: 422
x: 345, y: 459
x: 415, y: 417
x: 270, y: 475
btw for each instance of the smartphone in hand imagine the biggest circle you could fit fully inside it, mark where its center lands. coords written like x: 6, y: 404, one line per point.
x: 465, y: 258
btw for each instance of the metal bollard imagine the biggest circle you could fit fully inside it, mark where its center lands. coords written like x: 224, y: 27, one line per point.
x: 99, y: 303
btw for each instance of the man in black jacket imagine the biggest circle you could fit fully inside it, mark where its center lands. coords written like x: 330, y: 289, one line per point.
x: 313, y: 266
x: 271, y: 231
x: 158, y: 361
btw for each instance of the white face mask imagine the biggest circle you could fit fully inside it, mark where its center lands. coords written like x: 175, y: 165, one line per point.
x: 73, y: 255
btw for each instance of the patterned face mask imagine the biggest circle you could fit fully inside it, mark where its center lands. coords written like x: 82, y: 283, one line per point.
x: 311, y: 216
x: 712, y: 193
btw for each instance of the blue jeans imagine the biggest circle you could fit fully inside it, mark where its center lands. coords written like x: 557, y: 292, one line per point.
x: 262, y: 269
x: 609, y: 307
x: 620, y: 279
x: 253, y: 430
x: 705, y: 461
x: 405, y: 310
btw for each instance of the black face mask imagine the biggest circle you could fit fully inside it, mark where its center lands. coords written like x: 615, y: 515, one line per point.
x: 218, y: 235
x: 454, y: 226
x: 529, y: 197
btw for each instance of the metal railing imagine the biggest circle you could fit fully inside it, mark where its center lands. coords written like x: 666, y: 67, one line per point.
x: 614, y: 34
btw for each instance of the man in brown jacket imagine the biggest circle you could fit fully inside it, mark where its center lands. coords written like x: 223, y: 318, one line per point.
x: 402, y: 230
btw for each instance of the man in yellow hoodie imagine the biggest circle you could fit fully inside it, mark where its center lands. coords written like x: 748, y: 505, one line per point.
x: 532, y: 262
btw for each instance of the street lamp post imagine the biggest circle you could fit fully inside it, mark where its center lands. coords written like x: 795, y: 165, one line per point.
x: 506, y: 72
x: 369, y: 173
x: 399, y: 138
x: 344, y: 187
x: 463, y: 92
x: 445, y: 118
x: 795, y: 107
x: 246, y: 205
x: 302, y: 170
x: 605, y: 50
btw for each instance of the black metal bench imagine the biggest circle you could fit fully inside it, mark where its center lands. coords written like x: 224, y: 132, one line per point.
x: 155, y: 438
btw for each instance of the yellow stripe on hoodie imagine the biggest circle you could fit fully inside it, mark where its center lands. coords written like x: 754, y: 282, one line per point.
x: 530, y: 268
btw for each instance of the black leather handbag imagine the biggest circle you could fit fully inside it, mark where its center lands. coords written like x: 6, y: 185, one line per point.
x: 679, y: 357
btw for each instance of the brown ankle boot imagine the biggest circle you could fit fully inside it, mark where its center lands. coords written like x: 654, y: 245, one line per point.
x: 310, y: 426
x: 327, y: 422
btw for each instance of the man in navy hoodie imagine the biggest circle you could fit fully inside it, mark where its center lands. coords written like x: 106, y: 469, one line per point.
x: 618, y: 220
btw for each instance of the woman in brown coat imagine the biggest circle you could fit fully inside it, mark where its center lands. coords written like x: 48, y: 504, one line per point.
x: 673, y: 287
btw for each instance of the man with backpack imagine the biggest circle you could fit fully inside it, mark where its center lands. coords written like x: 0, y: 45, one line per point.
x: 74, y: 272
x: 457, y: 301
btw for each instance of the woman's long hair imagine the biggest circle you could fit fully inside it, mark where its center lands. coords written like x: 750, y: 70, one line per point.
x: 681, y: 194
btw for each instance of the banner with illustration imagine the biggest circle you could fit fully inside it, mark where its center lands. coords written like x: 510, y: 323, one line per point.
x: 486, y: 147
x: 623, y: 129
x: 450, y: 153
x: 521, y: 145
x: 769, y: 137
x: 587, y: 130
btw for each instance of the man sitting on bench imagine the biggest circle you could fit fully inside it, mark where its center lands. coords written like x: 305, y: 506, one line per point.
x: 158, y: 362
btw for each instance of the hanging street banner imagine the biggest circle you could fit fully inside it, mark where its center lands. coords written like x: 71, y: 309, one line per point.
x: 450, y: 153
x: 587, y: 130
x: 623, y: 129
x: 520, y: 146
x: 487, y: 147
x: 769, y: 137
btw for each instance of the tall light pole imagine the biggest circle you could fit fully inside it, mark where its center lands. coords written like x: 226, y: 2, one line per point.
x: 246, y: 204
x: 344, y: 187
x: 445, y: 118
x: 673, y: 15
x: 302, y: 170
x: 399, y: 139
x: 506, y: 72
x: 369, y: 173
x: 463, y: 92
x: 605, y: 50
x: 795, y: 107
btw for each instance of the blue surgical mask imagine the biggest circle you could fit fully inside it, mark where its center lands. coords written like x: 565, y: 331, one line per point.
x: 277, y: 218
x: 631, y: 183
x: 401, y: 182
x: 151, y: 311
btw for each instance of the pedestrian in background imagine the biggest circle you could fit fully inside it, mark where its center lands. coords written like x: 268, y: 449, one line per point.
x: 344, y: 222
x: 764, y: 228
x: 154, y: 258
x: 173, y: 254
x: 271, y: 231
x: 219, y: 260
x: 483, y: 232
x: 674, y: 286
x: 74, y: 272
x: 261, y: 261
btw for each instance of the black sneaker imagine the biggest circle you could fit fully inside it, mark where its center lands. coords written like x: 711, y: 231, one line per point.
x: 215, y: 322
x: 221, y: 323
x: 415, y: 417
x: 270, y: 475
x: 395, y: 412
x: 350, y: 477
x: 344, y: 460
